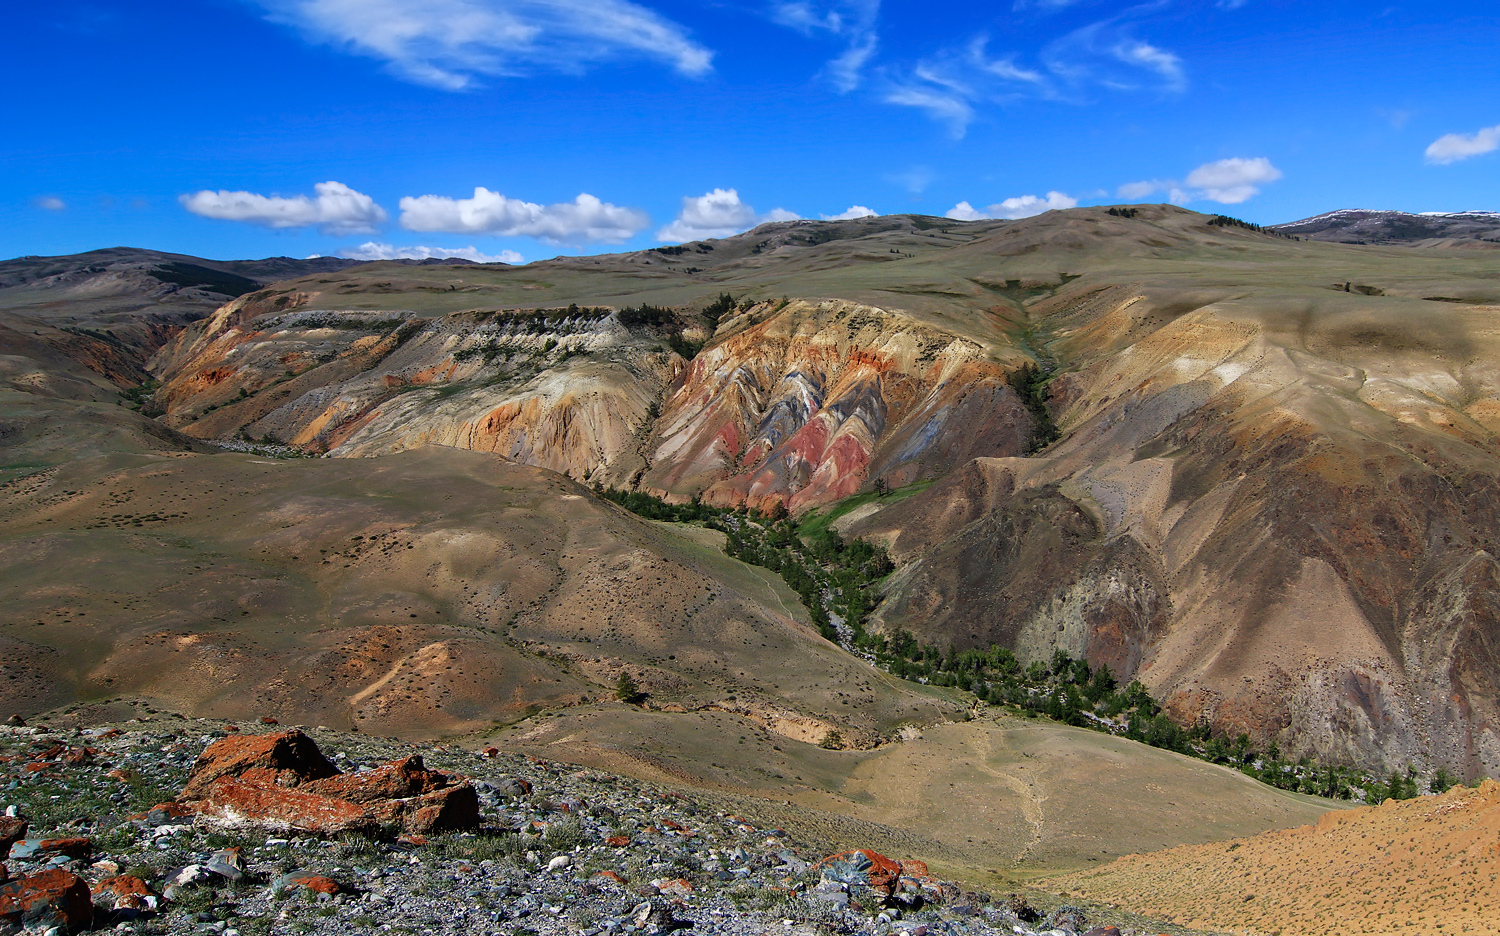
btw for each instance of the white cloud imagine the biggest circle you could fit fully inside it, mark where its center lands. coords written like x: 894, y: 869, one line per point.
x: 370, y: 250
x: 586, y: 219
x: 1136, y: 191
x: 719, y: 213
x: 851, y: 213
x: 948, y: 106
x: 1452, y: 147
x: 850, y: 20
x: 50, y: 203
x: 951, y: 86
x: 1227, y: 181
x: 1024, y: 206
x: 1107, y: 54
x: 1149, y: 57
x: 337, y: 209
x: 1231, y: 181
x: 449, y: 43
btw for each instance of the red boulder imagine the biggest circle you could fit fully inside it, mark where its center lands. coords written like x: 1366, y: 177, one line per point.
x: 287, y: 759
x: 47, y: 899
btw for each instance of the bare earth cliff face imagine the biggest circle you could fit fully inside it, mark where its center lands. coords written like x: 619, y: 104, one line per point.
x: 565, y: 391
x: 1272, y: 499
x: 809, y: 403
x: 1283, y: 524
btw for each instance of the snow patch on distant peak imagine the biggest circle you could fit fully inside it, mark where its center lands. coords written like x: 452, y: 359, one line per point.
x: 1360, y: 214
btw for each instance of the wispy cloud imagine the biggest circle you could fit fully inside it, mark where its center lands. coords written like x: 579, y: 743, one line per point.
x: 586, y: 219
x: 1454, y: 147
x: 49, y: 203
x: 952, y: 86
x: 851, y: 21
x: 449, y: 44
x: 851, y: 213
x: 1149, y: 57
x: 719, y: 213
x: 336, y: 209
x: 915, y: 180
x: 370, y: 250
x: 943, y: 104
x: 1136, y: 191
x: 1110, y: 54
x: 1226, y: 181
x: 1022, y: 206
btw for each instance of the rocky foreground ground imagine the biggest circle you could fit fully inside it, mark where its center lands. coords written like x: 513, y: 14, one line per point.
x: 174, y: 826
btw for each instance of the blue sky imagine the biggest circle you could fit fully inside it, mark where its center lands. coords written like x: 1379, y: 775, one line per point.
x: 530, y: 128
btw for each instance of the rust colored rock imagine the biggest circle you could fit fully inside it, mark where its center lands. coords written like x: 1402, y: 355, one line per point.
x: 80, y: 756
x: 862, y: 866
x: 164, y: 814
x: 676, y: 887
x: 315, y: 883
x: 12, y: 830
x: 455, y: 809
x: 916, y: 869
x: 38, y: 849
x: 609, y: 875
x: 398, y: 780
x: 287, y: 758
x: 268, y: 720
x: 124, y: 892
x: 617, y: 841
x: 233, y: 802
x: 283, y: 781
x: 47, y: 899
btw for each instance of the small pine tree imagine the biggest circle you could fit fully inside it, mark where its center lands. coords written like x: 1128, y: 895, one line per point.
x: 626, y: 690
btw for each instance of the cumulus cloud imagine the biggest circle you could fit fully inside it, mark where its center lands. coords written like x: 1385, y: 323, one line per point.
x: 1023, y: 206
x: 336, y: 209
x: 1227, y: 181
x: 1453, y: 147
x: 1231, y: 181
x: 851, y: 213
x: 853, y: 21
x: 586, y: 219
x: 50, y: 203
x: 719, y: 213
x: 449, y: 44
x: 370, y: 250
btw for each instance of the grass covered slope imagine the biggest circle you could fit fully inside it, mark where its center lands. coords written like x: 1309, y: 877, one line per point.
x: 1423, y: 866
x: 995, y: 799
x: 429, y: 593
